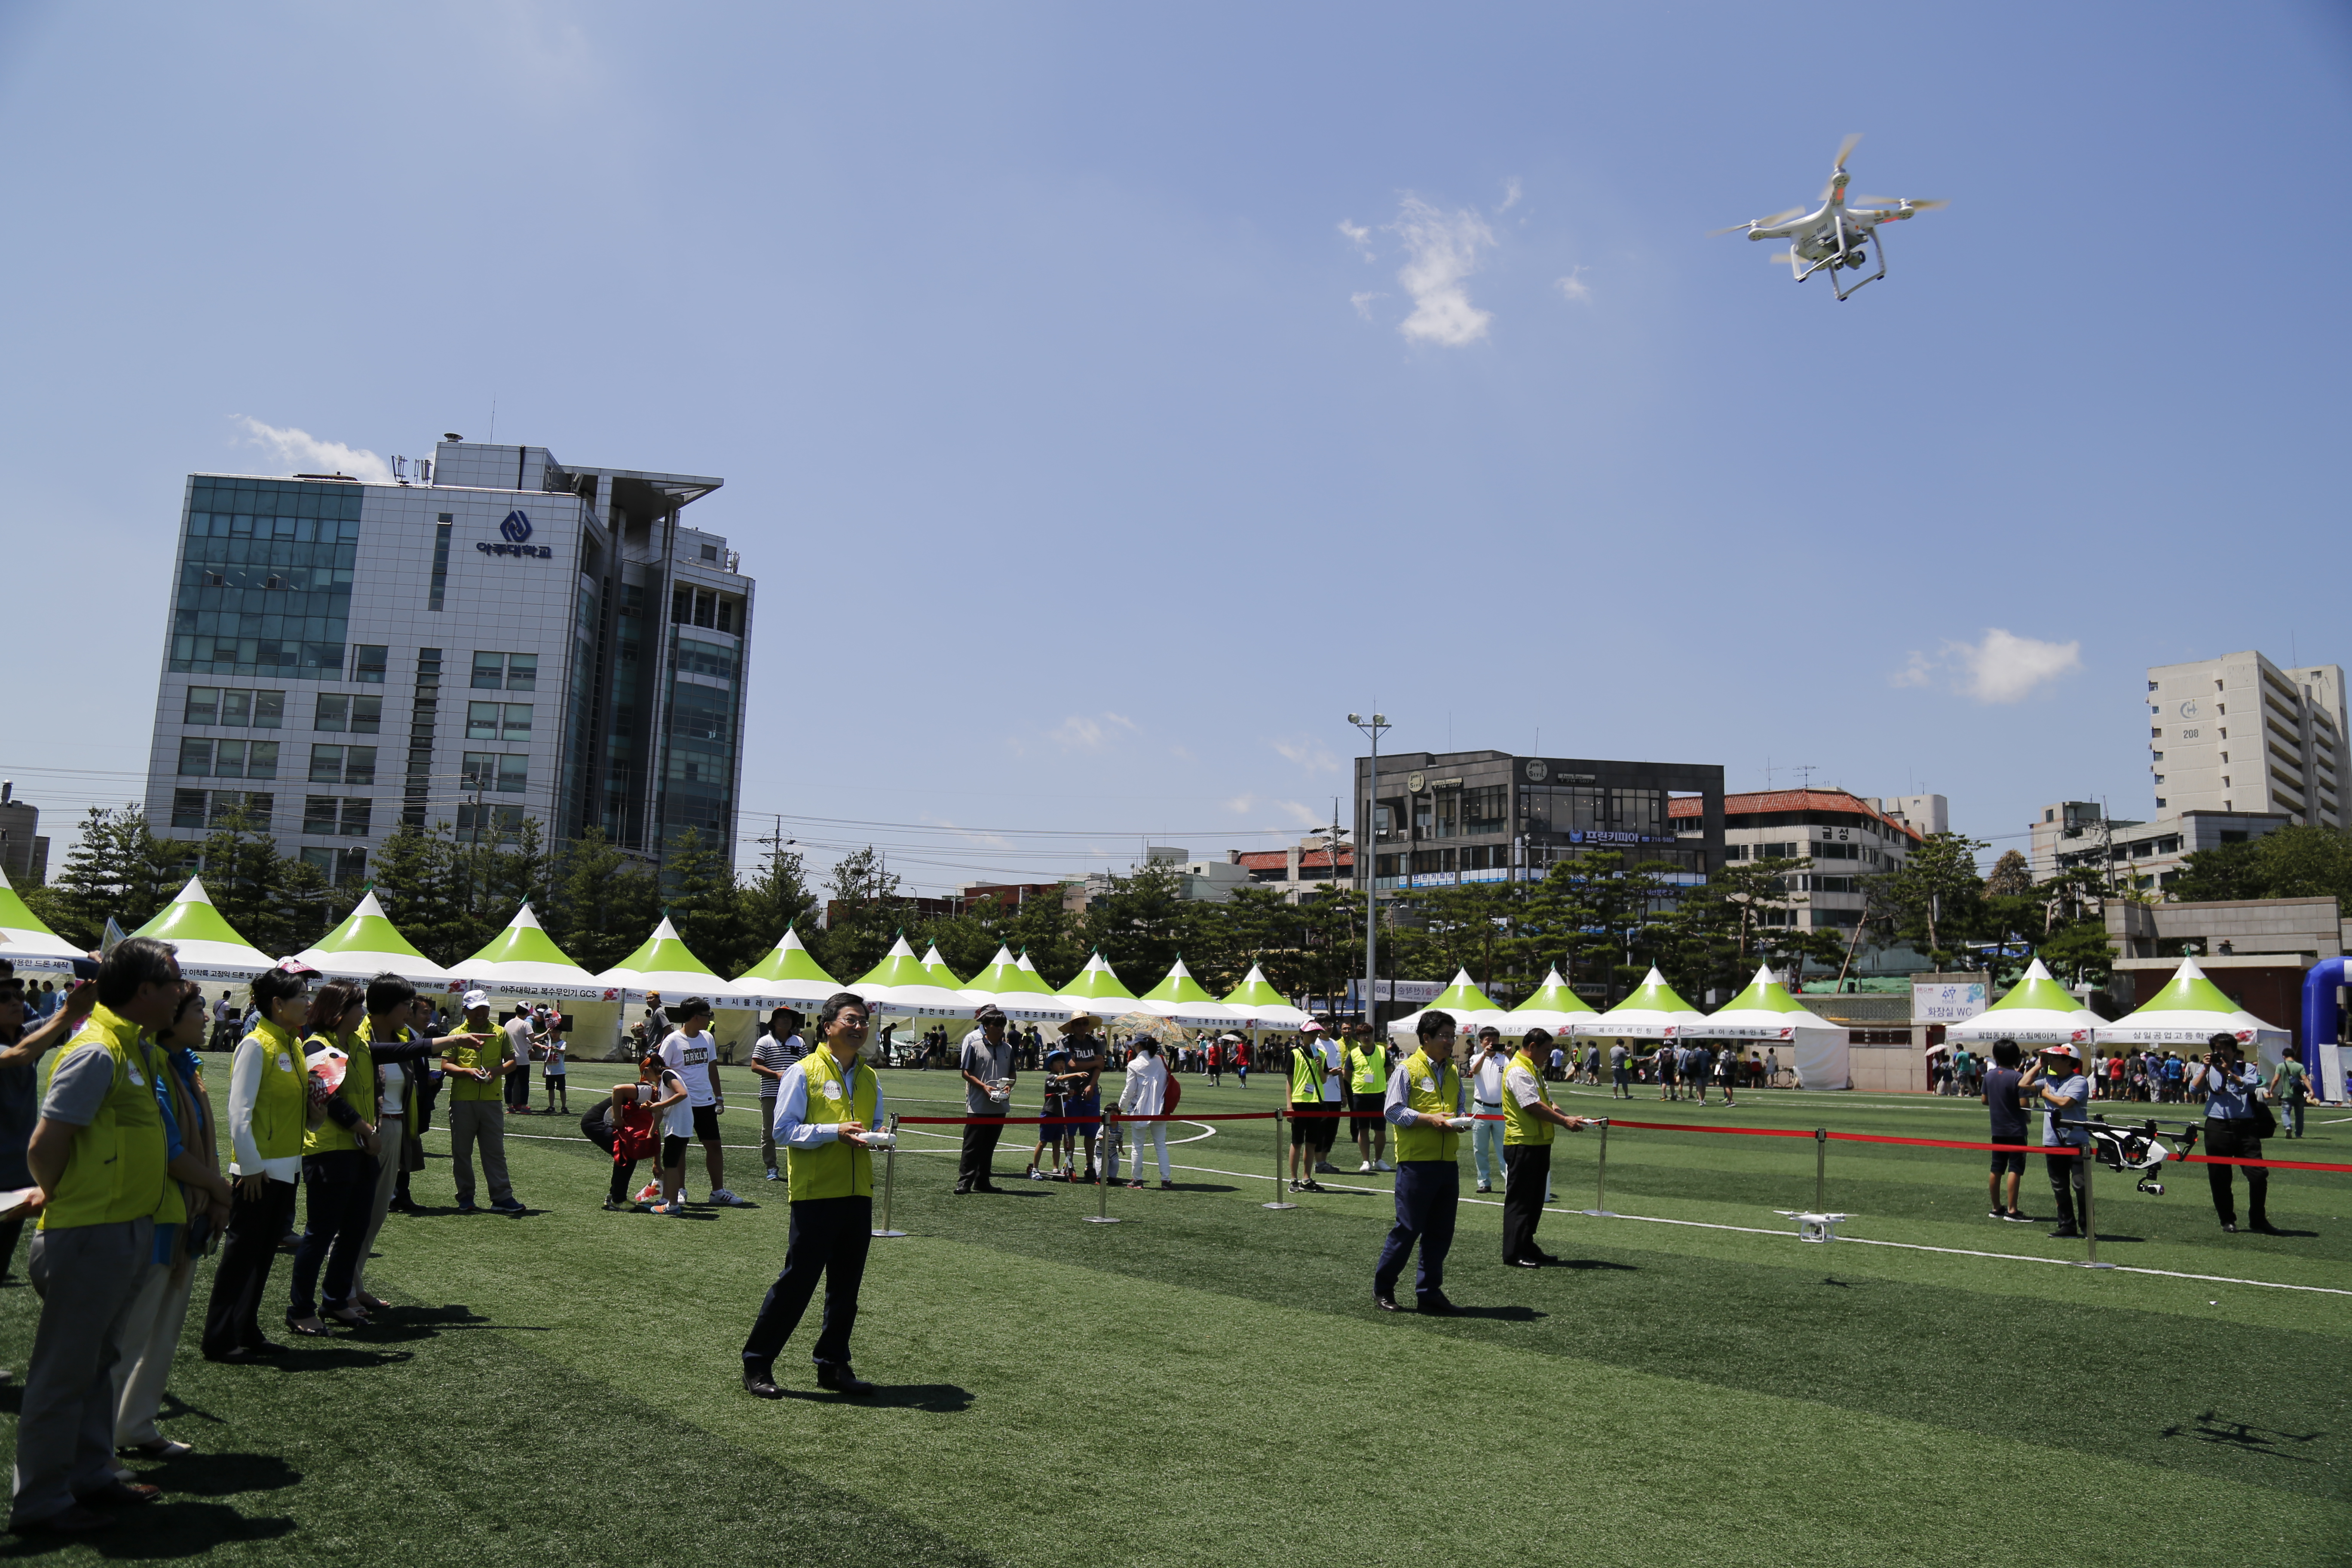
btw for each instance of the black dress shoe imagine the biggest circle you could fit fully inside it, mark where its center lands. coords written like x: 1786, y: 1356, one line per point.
x: 1523, y: 1263
x: 1435, y: 1305
x: 2068, y: 1232
x: 761, y: 1381
x: 1540, y: 1256
x: 1385, y: 1303
x: 2265, y: 1227
x: 236, y: 1356
x: 265, y: 1347
x: 119, y: 1494
x: 840, y: 1380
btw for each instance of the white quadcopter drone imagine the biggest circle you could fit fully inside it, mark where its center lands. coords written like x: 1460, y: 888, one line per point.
x: 1834, y: 235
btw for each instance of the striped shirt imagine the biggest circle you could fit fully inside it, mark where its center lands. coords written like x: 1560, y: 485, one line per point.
x: 772, y: 1052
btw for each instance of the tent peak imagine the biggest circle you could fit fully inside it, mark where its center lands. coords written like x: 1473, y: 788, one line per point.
x: 193, y: 893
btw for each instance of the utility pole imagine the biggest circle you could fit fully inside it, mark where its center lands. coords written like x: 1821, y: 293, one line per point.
x: 1374, y: 728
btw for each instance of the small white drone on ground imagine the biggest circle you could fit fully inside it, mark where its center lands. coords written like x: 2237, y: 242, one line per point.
x: 1834, y: 235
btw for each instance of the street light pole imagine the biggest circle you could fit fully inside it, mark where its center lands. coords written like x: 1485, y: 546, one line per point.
x: 1367, y: 844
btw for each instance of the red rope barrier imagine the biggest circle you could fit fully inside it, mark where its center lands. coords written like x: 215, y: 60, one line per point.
x: 2062, y: 1153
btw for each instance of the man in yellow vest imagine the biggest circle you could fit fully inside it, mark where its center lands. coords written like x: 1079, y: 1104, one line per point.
x: 1368, y: 1095
x: 99, y: 1160
x: 1529, y: 1119
x: 828, y: 1113
x: 1314, y: 1087
x: 1425, y: 1104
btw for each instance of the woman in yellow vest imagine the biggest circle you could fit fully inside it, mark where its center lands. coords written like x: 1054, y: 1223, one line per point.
x: 828, y: 1108
x: 1424, y: 1105
x: 339, y: 1151
x: 268, y: 1100
x: 1368, y: 1094
x: 1529, y: 1118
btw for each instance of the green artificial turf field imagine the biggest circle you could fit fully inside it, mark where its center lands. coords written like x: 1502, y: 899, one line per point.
x: 1208, y: 1381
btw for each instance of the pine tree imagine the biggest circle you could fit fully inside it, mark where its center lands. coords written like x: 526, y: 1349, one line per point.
x: 117, y: 868
x: 603, y: 903
x: 700, y: 894
x: 773, y: 898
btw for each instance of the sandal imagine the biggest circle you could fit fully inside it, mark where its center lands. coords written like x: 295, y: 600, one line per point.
x: 316, y: 1331
x: 372, y: 1303
x: 348, y: 1315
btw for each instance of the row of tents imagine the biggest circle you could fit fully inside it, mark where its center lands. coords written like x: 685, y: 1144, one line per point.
x: 523, y: 964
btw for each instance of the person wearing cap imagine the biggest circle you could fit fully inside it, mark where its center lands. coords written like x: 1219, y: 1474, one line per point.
x: 1529, y: 1119
x: 1368, y: 1097
x: 1315, y: 1081
x: 1053, y: 1132
x: 2233, y: 1090
x: 1145, y: 1096
x: 476, y: 1073
x: 828, y: 1105
x: 986, y: 1063
x: 2056, y: 1079
x: 1082, y: 1094
x: 1424, y: 1107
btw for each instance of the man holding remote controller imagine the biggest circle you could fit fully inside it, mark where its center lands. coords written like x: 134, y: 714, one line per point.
x: 1425, y: 1105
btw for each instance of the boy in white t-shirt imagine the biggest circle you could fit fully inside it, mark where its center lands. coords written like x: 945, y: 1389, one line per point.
x: 688, y: 1051
x: 558, y: 1051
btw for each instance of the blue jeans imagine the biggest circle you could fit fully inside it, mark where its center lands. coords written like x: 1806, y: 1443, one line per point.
x: 1426, y: 1194
x: 1486, y: 1145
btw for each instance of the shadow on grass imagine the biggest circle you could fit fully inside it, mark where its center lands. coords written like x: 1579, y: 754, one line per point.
x: 1591, y: 1263
x: 939, y: 1398
x: 2246, y: 1438
x: 1510, y: 1315
x: 221, y: 1475
x: 158, y: 1531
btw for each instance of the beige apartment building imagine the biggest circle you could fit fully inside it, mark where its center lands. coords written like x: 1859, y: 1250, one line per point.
x: 2238, y: 734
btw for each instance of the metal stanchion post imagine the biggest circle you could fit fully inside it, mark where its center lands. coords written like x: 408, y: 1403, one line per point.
x: 1102, y: 1214
x: 1278, y: 1203
x: 1820, y: 1169
x: 1600, y: 1208
x: 2090, y: 1215
x: 890, y: 1180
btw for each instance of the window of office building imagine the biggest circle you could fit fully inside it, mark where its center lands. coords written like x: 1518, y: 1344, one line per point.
x: 265, y: 578
x: 506, y: 671
x: 360, y: 714
x: 440, y: 584
x: 201, y: 757
x: 706, y: 658
x: 497, y: 721
x: 496, y: 771
x: 1486, y: 810
x: 345, y: 867
x: 342, y: 764
x: 702, y: 608
x: 502, y: 821
x: 221, y: 807
x: 368, y: 661
x: 235, y: 709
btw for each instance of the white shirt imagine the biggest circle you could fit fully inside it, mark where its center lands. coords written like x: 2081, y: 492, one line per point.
x: 387, y: 1101
x: 1146, y: 1093
x: 678, y: 1122
x: 244, y: 1088
x: 794, y: 1130
x: 518, y: 1039
x: 1335, y: 1055
x: 690, y: 1060
x: 1489, y: 1079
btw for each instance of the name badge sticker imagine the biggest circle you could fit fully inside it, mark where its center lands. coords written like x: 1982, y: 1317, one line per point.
x: 832, y: 1090
x: 1428, y: 1086
x: 133, y: 1071
x: 285, y: 1062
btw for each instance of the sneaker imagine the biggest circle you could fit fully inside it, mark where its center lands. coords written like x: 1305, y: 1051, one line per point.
x: 2017, y: 1216
x: 1325, y: 1168
x: 1314, y: 1187
x: 774, y: 1174
x: 2230, y: 1227
x: 676, y: 1209
x: 1484, y: 1188
x: 467, y: 1207
x: 723, y: 1197
x: 616, y: 1208
x: 650, y: 1192
x: 1997, y: 1213
x: 1135, y: 1187
x: 1382, y: 1165
x: 1365, y: 1169
x: 2068, y: 1232
x: 1164, y: 1186
x: 1296, y: 1185
x: 509, y: 1206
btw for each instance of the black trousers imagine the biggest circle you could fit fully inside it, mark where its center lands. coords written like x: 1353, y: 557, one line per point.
x: 974, y: 1170
x: 341, y: 1185
x: 1527, y: 1167
x: 250, y: 1245
x: 10, y: 1229
x: 2070, y: 1175
x: 828, y: 1236
x: 624, y: 1172
x: 1426, y: 1194
x: 2223, y: 1137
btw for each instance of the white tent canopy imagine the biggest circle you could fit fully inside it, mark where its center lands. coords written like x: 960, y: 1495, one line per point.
x: 1766, y: 1011
x: 367, y: 944
x: 2038, y: 1011
x: 207, y: 946
x: 1654, y: 1012
x: 2191, y: 1010
x: 25, y: 941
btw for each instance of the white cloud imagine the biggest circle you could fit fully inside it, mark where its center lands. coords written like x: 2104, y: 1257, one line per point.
x: 1080, y: 732
x: 1363, y: 304
x: 1360, y: 237
x: 1510, y: 194
x: 2001, y: 666
x: 1309, y: 753
x: 1574, y: 287
x: 1301, y: 816
x: 303, y: 453
x: 1241, y: 803
x: 1442, y: 249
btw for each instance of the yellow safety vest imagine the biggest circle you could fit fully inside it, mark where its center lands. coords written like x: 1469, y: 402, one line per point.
x: 1306, y: 1063
x: 1429, y: 1090
x: 357, y: 1090
x: 1371, y: 1069
x: 835, y: 1169
x: 281, y: 1102
x: 114, y: 1171
x: 1520, y: 1122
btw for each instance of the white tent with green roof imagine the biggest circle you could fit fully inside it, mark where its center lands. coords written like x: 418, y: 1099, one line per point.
x: 2038, y: 1011
x: 1553, y: 1007
x: 790, y: 976
x: 1261, y: 1006
x: 1654, y: 1012
x: 2190, y: 1011
x: 368, y: 944
x: 25, y: 941
x: 936, y: 970
x: 522, y: 963
x: 1181, y: 999
x: 208, y: 947
x: 1014, y: 988
x: 1472, y: 1010
x: 1766, y: 1011
x: 664, y: 964
x: 1098, y: 988
x: 899, y: 987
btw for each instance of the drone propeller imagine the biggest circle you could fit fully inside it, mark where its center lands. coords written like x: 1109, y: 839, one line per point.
x: 1915, y: 203
x: 1845, y: 148
x: 1778, y: 217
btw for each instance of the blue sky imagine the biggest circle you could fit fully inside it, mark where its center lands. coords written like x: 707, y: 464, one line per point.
x: 1110, y: 398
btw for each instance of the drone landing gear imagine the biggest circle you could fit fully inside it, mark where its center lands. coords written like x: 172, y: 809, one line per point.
x: 1844, y: 260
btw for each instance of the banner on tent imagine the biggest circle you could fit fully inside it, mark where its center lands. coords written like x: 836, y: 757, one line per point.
x: 203, y: 971
x: 1420, y: 993
x: 536, y: 990
x: 44, y: 963
x: 1712, y: 1031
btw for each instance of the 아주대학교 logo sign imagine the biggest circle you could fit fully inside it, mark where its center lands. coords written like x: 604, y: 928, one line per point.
x: 517, y: 529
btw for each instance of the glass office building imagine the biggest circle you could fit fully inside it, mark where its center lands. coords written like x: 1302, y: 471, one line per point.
x: 1440, y: 819
x: 504, y: 637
